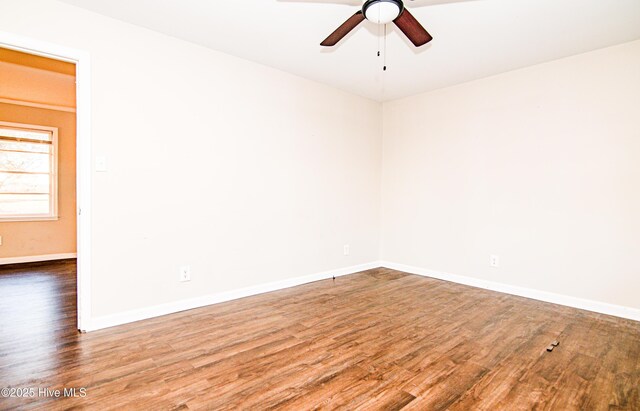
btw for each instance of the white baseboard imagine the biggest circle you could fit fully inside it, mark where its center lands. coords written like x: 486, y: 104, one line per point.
x: 36, y: 258
x: 575, y: 302
x: 112, y: 320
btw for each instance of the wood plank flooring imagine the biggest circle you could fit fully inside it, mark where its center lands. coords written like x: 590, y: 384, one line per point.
x: 379, y: 339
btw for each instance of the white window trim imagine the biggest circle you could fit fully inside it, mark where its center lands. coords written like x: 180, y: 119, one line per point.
x: 53, y: 206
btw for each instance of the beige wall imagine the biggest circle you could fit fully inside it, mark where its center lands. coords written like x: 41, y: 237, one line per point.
x: 245, y: 173
x: 539, y: 166
x: 28, y: 84
x: 36, y: 238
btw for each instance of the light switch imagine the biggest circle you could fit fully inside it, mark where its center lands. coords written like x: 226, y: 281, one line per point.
x: 101, y: 163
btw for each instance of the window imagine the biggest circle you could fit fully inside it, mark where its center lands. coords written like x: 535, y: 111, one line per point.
x: 28, y: 172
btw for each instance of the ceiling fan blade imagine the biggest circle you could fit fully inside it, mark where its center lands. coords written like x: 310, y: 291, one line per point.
x: 412, y: 29
x: 343, y: 30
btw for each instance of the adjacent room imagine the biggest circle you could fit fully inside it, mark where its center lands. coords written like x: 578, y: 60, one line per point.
x: 37, y: 206
x: 320, y: 204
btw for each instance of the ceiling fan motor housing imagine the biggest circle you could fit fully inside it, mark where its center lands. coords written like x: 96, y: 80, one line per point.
x: 382, y: 11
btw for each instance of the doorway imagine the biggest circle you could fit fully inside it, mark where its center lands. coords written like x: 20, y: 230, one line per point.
x: 45, y: 206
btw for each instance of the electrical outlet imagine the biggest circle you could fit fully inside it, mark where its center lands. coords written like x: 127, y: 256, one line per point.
x: 494, y: 261
x: 185, y: 273
x: 346, y: 249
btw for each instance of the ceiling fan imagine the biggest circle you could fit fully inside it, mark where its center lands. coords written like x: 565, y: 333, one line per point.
x: 382, y: 12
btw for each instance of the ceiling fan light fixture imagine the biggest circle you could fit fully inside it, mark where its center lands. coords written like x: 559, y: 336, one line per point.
x: 382, y: 11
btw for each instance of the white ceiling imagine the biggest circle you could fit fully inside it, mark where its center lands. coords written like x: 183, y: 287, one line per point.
x: 472, y: 38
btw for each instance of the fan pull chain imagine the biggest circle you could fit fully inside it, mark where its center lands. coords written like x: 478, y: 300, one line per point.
x: 384, y: 52
x: 379, y: 32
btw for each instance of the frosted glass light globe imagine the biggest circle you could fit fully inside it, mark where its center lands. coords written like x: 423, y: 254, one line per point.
x: 382, y: 12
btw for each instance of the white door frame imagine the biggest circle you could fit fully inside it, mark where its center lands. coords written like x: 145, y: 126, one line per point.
x: 82, y: 59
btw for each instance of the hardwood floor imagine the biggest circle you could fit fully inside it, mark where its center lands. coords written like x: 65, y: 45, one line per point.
x: 379, y: 339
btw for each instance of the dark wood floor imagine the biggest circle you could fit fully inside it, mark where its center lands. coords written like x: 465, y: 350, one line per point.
x: 379, y: 339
